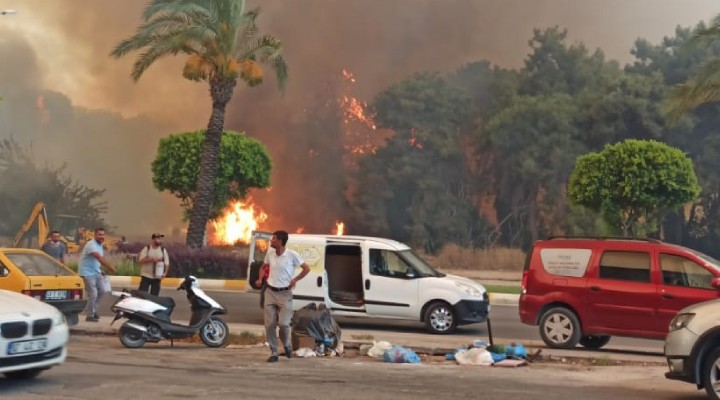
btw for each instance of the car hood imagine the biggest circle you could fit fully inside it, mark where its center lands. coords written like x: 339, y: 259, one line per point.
x: 451, y: 280
x: 16, y: 303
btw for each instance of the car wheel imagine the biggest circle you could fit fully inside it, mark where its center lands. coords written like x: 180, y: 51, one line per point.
x: 594, y: 341
x: 23, y: 374
x: 711, y: 374
x: 560, y: 328
x: 215, y: 333
x: 131, y: 337
x: 440, y: 318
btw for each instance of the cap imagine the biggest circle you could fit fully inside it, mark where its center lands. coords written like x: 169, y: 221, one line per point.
x: 157, y: 235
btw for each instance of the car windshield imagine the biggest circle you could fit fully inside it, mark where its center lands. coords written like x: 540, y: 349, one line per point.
x: 713, y: 262
x: 37, y: 264
x: 423, y: 268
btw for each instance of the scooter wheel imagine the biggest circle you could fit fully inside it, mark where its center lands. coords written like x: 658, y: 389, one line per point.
x: 215, y: 333
x: 131, y: 338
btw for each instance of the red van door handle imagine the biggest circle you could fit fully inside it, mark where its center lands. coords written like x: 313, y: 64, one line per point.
x: 667, y: 295
x: 595, y: 288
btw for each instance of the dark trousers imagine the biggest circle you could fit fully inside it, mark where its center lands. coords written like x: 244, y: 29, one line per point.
x: 152, y: 283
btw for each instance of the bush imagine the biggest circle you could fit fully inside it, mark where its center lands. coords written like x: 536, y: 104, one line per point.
x: 207, y: 262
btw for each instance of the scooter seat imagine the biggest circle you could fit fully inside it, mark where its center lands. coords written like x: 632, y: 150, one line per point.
x: 166, y: 302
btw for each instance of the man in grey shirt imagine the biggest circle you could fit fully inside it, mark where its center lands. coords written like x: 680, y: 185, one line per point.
x: 55, y: 248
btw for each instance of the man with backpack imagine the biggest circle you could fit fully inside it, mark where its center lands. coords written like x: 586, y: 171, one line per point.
x: 155, y: 262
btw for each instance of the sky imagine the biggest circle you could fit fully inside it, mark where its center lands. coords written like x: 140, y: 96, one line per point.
x: 64, y: 95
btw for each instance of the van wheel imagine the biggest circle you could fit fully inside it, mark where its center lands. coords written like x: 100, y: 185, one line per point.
x: 440, y: 318
x: 711, y: 374
x: 560, y: 328
x: 594, y: 341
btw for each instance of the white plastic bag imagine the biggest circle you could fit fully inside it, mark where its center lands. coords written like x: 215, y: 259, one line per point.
x: 107, y: 287
x: 474, y: 356
x: 379, y: 348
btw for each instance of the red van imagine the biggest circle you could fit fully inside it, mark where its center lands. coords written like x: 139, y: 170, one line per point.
x: 586, y: 289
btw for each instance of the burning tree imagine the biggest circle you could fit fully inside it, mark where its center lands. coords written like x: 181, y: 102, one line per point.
x: 244, y: 164
x: 223, y: 45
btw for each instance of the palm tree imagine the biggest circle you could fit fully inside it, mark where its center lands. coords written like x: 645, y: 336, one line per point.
x: 223, y: 44
x: 703, y: 86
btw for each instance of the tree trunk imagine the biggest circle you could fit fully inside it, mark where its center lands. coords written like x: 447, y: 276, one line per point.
x: 221, y: 92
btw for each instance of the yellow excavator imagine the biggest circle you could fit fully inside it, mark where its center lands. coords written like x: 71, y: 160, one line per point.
x: 71, y: 233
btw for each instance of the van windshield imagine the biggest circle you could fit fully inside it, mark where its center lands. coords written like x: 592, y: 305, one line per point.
x: 423, y: 269
x: 713, y: 262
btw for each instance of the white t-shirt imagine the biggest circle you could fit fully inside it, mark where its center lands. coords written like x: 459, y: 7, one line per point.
x: 148, y: 269
x: 282, y: 268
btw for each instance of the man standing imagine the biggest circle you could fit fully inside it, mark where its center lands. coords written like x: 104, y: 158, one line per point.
x: 55, y: 248
x: 282, y: 263
x: 92, y: 258
x: 155, y: 263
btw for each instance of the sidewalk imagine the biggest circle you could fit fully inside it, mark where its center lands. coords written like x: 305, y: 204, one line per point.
x: 421, y: 342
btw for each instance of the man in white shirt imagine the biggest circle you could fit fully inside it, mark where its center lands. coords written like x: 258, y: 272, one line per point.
x: 282, y: 263
x: 154, y: 262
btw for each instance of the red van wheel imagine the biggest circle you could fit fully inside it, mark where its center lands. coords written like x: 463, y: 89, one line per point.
x: 560, y: 328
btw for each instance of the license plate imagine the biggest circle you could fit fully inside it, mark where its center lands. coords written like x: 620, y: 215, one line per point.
x: 56, y: 295
x: 28, y: 346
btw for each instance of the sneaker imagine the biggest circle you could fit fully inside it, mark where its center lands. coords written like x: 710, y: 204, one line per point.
x: 272, y: 358
x: 92, y: 318
x: 288, y: 352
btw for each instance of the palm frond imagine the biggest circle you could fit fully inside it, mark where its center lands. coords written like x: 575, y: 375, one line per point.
x: 703, y: 87
x: 155, y: 7
x: 707, y: 36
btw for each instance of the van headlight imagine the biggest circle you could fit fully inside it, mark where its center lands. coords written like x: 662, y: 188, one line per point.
x: 680, y: 321
x: 469, y: 289
x: 59, y: 319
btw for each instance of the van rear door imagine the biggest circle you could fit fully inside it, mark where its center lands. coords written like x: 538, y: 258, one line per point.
x: 259, y: 245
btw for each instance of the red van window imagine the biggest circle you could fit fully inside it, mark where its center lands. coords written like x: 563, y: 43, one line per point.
x: 631, y: 266
x: 681, y: 271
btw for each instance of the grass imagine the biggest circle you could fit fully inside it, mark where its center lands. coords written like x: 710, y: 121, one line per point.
x: 125, y: 266
x: 454, y: 257
x: 246, y: 338
x: 603, y: 361
x: 503, y: 289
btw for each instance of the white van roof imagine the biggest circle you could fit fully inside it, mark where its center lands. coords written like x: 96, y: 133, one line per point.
x: 308, y: 238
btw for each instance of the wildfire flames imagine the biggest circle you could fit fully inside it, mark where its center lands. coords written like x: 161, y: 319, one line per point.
x: 238, y: 222
x: 339, y: 228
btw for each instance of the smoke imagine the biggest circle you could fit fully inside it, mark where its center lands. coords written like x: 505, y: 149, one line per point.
x: 106, y: 127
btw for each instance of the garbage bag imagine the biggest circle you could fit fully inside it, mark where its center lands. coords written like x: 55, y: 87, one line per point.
x: 378, y: 348
x: 315, y: 321
x: 516, y: 350
x: 400, y: 354
x: 474, y: 356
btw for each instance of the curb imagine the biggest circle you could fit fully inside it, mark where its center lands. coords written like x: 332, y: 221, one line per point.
x: 500, y: 299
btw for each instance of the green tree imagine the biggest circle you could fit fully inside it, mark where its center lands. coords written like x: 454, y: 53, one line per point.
x: 223, y: 45
x: 244, y: 164
x: 31, y: 183
x: 633, y: 183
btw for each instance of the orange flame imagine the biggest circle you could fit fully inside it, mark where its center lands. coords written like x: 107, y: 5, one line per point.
x: 44, y: 113
x: 238, y: 222
x: 339, y: 228
x: 300, y: 229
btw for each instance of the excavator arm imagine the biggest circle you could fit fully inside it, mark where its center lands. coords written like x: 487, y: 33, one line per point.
x: 39, y: 214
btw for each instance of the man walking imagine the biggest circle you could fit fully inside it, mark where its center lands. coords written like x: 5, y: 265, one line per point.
x: 92, y: 258
x: 155, y: 263
x: 281, y: 263
x: 55, y: 248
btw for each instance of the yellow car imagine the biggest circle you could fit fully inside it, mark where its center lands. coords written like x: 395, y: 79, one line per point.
x: 36, y: 274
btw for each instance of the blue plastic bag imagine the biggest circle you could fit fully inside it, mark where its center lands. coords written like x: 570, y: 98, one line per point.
x: 516, y: 350
x: 399, y: 354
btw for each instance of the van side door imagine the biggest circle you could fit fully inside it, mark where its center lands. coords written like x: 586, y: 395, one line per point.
x: 622, y: 296
x: 391, y: 285
x: 685, y: 281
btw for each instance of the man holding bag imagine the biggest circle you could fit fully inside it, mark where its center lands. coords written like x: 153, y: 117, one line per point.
x: 155, y: 262
x: 89, y: 267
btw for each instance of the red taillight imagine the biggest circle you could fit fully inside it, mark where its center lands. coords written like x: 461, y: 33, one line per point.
x: 38, y: 294
x: 76, y: 294
x: 524, y: 281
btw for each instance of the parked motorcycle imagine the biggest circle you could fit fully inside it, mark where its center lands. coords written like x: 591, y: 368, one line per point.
x: 148, y: 317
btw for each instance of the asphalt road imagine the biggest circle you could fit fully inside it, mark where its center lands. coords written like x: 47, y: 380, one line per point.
x: 505, y: 323
x: 100, y: 368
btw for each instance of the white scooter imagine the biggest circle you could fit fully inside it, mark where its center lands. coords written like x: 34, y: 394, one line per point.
x: 148, y: 317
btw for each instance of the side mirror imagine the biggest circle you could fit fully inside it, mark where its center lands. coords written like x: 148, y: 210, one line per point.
x: 715, y: 282
x: 5, y: 272
x: 410, y: 274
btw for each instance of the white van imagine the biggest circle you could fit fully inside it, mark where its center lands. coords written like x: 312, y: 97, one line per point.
x: 379, y: 278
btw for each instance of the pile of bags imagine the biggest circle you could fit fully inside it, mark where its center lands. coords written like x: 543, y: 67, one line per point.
x: 482, y: 354
x: 390, y: 353
x: 315, y: 322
